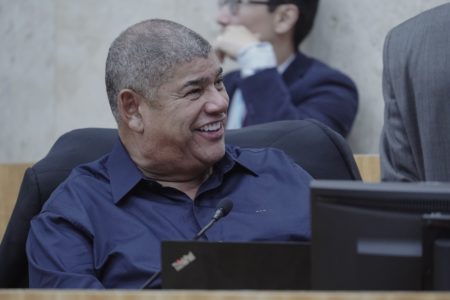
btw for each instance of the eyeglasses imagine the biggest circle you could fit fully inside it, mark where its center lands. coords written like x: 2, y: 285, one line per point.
x: 234, y: 5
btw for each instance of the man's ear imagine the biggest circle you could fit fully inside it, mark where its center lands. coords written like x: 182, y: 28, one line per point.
x: 286, y: 15
x: 128, y: 104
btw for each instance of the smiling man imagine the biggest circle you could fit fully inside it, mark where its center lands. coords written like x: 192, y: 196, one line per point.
x: 167, y: 172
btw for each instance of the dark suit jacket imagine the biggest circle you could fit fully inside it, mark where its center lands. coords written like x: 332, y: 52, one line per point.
x: 308, y: 89
x: 415, y: 142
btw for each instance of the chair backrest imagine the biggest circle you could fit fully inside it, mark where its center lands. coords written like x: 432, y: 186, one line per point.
x: 318, y: 149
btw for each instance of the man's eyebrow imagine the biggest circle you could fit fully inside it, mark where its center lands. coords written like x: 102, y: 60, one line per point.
x: 202, y: 80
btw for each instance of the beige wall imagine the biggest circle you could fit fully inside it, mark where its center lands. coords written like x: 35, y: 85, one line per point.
x: 53, y: 51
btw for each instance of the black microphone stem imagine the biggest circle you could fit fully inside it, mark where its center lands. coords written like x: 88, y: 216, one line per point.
x: 196, y: 237
x: 224, y: 208
x: 150, y: 280
x: 201, y: 232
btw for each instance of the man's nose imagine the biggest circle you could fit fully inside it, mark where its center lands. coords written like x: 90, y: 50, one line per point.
x: 217, y: 102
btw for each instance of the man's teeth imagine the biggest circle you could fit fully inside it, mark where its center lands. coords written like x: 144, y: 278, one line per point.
x: 211, y: 127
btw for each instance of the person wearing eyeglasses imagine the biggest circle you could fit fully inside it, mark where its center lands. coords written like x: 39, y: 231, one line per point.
x: 276, y: 81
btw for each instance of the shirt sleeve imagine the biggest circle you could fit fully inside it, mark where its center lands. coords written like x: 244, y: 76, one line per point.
x: 59, y: 254
x: 255, y: 58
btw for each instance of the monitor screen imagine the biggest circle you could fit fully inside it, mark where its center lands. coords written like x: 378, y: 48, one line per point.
x: 380, y: 236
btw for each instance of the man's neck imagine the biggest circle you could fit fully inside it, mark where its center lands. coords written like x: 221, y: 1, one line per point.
x: 283, y: 51
x: 187, y: 178
x: 189, y: 186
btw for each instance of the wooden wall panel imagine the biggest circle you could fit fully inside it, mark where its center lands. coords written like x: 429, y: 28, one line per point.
x: 369, y: 166
x: 11, y: 176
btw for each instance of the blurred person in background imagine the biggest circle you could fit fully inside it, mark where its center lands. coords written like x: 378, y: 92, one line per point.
x: 276, y: 81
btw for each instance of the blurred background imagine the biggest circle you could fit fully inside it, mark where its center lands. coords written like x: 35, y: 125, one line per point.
x: 53, y: 54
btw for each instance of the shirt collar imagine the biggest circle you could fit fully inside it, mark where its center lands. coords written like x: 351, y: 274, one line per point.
x: 233, y: 158
x: 124, y: 174
x: 282, y: 67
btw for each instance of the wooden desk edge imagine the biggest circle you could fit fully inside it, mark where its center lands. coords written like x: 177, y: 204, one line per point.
x: 29, y: 294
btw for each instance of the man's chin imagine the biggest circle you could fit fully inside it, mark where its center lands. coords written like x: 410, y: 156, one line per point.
x: 215, y: 153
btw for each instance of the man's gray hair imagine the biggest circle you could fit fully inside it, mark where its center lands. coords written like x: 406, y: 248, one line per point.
x: 145, y: 55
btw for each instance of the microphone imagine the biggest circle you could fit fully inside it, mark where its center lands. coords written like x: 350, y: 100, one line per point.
x: 223, y: 208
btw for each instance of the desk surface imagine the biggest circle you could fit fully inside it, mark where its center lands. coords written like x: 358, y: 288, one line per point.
x: 213, y: 295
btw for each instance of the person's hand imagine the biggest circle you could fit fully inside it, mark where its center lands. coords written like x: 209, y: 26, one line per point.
x: 233, y: 39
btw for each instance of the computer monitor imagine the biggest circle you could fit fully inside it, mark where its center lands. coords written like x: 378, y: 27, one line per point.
x: 380, y: 236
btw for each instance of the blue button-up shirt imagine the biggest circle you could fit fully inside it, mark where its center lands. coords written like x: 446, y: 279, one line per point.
x: 103, y: 226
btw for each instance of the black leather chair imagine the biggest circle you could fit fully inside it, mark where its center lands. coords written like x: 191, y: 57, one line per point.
x: 315, y: 147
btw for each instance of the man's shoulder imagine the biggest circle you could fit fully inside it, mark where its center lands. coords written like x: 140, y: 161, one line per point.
x: 427, y: 21
x: 269, y: 161
x: 83, y: 182
x: 238, y: 151
x: 259, y: 158
x: 91, y: 171
x: 429, y: 27
x: 319, y: 70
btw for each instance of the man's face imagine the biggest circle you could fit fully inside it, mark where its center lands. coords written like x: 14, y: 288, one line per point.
x: 184, y: 125
x: 256, y: 17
